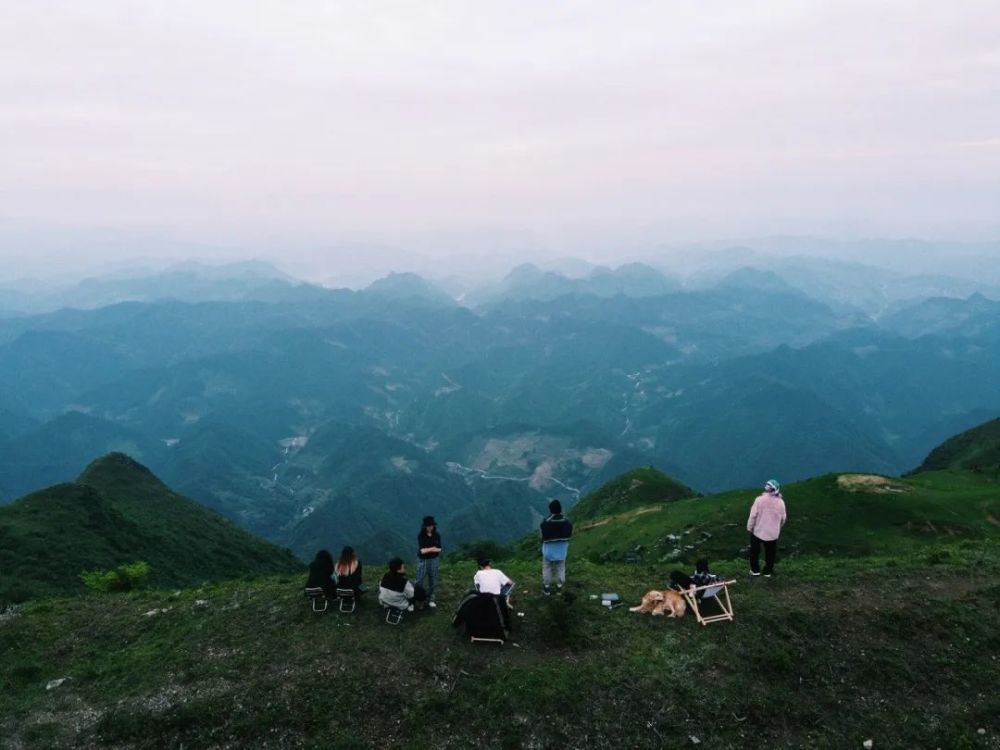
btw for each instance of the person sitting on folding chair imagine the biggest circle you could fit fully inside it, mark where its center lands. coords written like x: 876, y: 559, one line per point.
x: 489, y: 580
x: 348, y: 570
x: 681, y: 581
x: 321, y: 574
x: 396, y: 592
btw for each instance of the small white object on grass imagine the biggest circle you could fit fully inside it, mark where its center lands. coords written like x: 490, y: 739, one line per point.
x: 867, y: 744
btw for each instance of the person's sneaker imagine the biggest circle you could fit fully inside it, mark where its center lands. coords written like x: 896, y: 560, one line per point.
x: 410, y: 608
x: 546, y: 590
x: 754, y: 574
x: 767, y: 575
x: 559, y: 588
x: 432, y: 604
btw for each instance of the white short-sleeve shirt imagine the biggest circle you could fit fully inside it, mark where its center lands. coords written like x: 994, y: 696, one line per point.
x: 490, y: 581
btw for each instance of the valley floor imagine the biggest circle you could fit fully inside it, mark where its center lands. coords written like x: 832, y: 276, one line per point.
x: 829, y: 654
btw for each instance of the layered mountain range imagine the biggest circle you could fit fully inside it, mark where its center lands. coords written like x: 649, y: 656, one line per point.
x: 319, y: 417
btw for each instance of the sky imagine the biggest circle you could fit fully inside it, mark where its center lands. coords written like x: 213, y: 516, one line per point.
x: 195, y: 127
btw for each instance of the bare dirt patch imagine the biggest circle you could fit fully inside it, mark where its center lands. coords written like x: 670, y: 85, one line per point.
x: 869, y: 483
x: 651, y: 509
x: 624, y: 517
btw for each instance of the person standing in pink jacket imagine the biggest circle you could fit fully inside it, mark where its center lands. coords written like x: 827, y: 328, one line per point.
x: 767, y: 516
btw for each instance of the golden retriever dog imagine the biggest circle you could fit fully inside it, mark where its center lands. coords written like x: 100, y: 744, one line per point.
x: 661, y: 602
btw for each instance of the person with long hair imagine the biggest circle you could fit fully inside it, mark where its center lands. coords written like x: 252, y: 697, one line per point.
x: 348, y: 570
x: 321, y: 574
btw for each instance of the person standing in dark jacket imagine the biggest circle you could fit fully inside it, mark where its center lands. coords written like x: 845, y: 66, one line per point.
x: 321, y: 574
x: 556, y: 532
x: 428, y: 557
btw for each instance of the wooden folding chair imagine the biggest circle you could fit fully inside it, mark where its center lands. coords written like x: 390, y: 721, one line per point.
x: 697, y: 595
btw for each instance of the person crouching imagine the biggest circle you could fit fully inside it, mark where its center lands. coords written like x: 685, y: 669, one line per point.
x: 395, y: 591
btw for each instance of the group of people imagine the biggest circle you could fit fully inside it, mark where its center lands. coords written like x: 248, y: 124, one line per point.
x: 396, y: 590
x: 344, y: 574
x: 767, y: 517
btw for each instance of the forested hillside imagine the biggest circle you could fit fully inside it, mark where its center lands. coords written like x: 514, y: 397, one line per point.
x: 322, y: 417
x: 117, y: 512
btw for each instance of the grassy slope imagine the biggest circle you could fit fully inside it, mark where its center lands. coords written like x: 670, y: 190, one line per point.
x: 633, y: 489
x: 831, y: 654
x: 977, y: 449
x: 824, y: 518
x: 119, y: 512
x: 882, y: 624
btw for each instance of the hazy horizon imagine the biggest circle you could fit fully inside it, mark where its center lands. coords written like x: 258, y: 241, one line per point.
x: 316, y: 132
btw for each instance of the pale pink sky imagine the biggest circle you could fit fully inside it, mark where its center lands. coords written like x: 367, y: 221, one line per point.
x: 224, y: 120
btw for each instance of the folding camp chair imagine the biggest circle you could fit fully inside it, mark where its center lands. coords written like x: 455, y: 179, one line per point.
x: 474, y: 639
x: 393, y: 616
x: 697, y: 595
x: 487, y: 619
x: 314, y: 594
x: 348, y: 601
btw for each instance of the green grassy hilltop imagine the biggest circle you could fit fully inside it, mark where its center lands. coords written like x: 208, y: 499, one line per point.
x: 976, y: 450
x: 828, y: 655
x: 118, y: 512
x: 881, y: 624
x: 834, y: 516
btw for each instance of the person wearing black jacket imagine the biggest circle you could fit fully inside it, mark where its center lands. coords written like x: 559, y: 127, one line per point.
x: 428, y: 557
x: 395, y: 591
x: 321, y: 574
x: 556, y: 532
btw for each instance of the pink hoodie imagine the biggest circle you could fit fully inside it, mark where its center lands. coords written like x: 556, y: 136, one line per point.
x: 767, y: 516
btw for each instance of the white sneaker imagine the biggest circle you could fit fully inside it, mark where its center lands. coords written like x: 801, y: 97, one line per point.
x: 410, y: 608
x: 754, y: 574
x: 432, y: 605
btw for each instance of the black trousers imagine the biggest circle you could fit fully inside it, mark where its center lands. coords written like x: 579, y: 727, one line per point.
x: 770, y: 551
x: 679, y: 580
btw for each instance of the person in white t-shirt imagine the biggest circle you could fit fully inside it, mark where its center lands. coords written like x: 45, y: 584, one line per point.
x: 489, y: 580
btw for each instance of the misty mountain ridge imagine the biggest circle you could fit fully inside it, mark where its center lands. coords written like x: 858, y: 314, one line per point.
x: 488, y: 411
x: 846, y: 285
x: 187, y: 281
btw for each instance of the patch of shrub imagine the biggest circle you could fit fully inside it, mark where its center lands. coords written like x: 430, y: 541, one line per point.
x: 560, y: 621
x: 125, y: 577
x: 482, y: 548
x: 14, y: 594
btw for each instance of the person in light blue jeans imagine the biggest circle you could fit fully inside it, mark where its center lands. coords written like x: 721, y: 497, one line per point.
x: 556, y: 532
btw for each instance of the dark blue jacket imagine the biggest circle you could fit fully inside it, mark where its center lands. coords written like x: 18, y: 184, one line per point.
x: 556, y: 528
